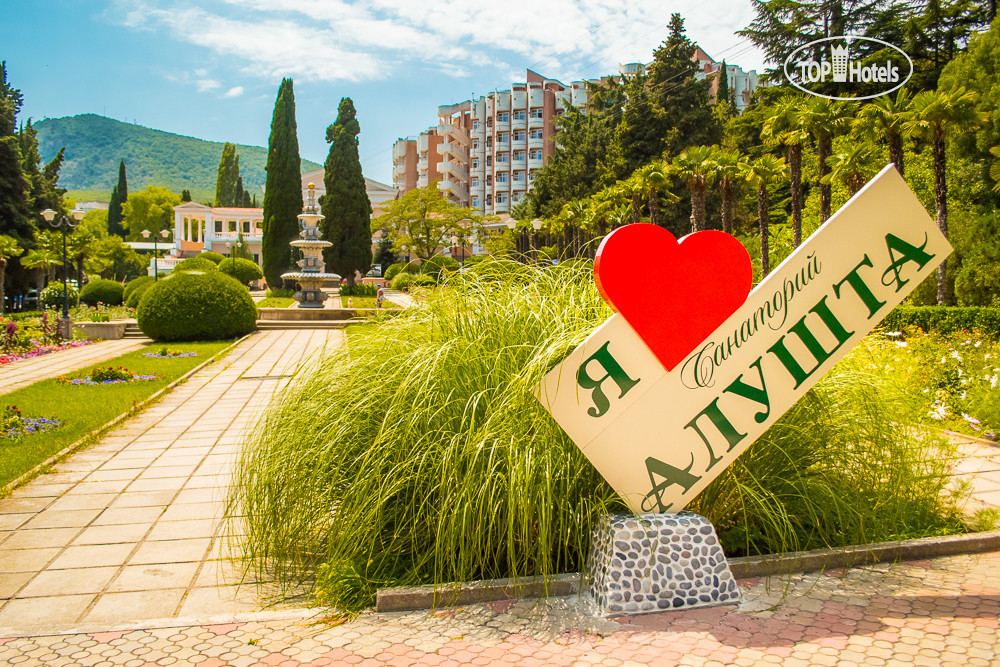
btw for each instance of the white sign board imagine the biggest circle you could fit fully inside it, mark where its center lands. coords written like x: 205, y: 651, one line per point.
x: 660, y: 437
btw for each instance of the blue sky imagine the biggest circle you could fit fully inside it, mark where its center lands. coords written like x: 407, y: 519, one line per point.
x: 211, y: 69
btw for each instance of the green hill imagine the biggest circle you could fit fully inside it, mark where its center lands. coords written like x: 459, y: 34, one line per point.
x: 94, y: 145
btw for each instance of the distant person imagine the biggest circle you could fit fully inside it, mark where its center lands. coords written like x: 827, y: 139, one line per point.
x: 379, y: 297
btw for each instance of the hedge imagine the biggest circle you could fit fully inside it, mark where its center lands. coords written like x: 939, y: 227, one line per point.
x: 195, y: 264
x: 241, y: 269
x: 108, y: 292
x: 945, y: 319
x: 211, y: 255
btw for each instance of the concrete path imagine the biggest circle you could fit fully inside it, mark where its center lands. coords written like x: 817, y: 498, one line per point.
x: 129, y: 530
x: 28, y: 371
x: 980, y: 466
x: 939, y: 612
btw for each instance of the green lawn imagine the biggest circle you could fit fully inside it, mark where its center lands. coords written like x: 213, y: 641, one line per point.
x: 276, y: 302
x: 365, y: 302
x: 83, y: 408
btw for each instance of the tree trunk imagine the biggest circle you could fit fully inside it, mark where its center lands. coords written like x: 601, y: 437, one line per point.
x: 941, y: 200
x: 895, y: 141
x: 795, y: 174
x: 726, y: 193
x: 762, y: 218
x: 3, y: 276
x: 654, y: 206
x: 698, y: 208
x: 636, y: 208
x: 79, y: 272
x: 825, y: 148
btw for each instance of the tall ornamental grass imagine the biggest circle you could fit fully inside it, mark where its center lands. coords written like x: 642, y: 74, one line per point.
x: 416, y: 453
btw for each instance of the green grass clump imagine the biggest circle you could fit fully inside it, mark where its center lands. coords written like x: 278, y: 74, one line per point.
x: 81, y: 409
x: 417, y: 453
x: 276, y: 302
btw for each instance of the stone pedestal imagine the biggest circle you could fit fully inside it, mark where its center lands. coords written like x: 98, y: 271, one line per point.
x: 657, y: 562
x: 64, y: 325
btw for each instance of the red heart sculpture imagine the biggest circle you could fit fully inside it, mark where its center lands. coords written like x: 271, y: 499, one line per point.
x: 675, y: 302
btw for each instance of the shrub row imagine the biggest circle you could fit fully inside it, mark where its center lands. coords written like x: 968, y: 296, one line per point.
x: 359, y: 289
x: 945, y: 319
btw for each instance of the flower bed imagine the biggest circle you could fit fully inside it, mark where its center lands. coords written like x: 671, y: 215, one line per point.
x: 109, y: 375
x: 40, y: 350
x: 32, y: 337
x: 166, y: 353
x: 14, y: 425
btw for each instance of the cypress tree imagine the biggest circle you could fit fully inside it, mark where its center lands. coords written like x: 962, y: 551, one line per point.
x: 246, y: 203
x: 119, y: 195
x: 283, y: 188
x: 347, y: 210
x: 14, y: 186
x: 238, y: 196
x: 722, y: 93
x: 185, y: 195
x: 122, y: 182
x: 225, y: 182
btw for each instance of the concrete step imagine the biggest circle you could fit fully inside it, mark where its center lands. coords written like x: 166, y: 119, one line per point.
x: 268, y: 325
x: 133, y: 331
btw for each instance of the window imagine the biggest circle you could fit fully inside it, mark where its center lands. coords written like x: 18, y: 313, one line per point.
x: 489, y: 180
x: 489, y: 122
x: 536, y: 133
x: 501, y: 177
x: 475, y: 181
x: 501, y: 197
x: 475, y: 144
x: 503, y: 117
x: 475, y: 202
x: 489, y: 160
x: 519, y: 135
x: 218, y: 226
x: 503, y: 137
x: 489, y: 142
x: 531, y: 175
x: 516, y: 197
x: 518, y: 176
x: 501, y: 158
x: 246, y: 226
x: 475, y: 163
x: 518, y: 156
x: 489, y: 200
x: 535, y: 113
x: 475, y: 125
x: 519, y: 114
x: 535, y: 154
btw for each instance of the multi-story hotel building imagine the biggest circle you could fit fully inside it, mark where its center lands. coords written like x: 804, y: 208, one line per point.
x: 485, y: 152
x: 741, y: 84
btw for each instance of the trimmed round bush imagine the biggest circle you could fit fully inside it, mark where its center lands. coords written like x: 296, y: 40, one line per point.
x: 242, y: 269
x: 134, y: 284
x: 402, y: 281
x: 198, y: 263
x: 108, y: 292
x: 213, y: 256
x: 52, y: 296
x: 474, y: 259
x: 196, y: 306
x: 424, y: 281
x: 133, y: 298
x: 435, y: 266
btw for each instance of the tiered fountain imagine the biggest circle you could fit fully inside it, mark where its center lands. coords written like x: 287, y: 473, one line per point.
x: 313, y: 273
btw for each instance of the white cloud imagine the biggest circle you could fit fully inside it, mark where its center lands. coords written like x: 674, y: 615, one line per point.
x: 235, y: 91
x: 356, y: 40
x: 207, y: 85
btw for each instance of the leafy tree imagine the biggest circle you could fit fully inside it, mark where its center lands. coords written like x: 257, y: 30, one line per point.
x: 978, y: 280
x: 114, y: 260
x: 151, y: 209
x: 883, y: 118
x: 934, y: 117
x: 423, y: 220
x: 15, y: 187
x: 228, y: 176
x: 122, y: 182
x: 384, y: 254
x: 854, y: 167
x: 283, y: 190
x: 783, y: 126
x: 346, y: 209
x: 9, y: 247
x: 765, y: 171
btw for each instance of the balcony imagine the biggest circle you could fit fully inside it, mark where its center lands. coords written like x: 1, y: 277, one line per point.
x: 538, y: 142
x: 502, y: 126
x: 454, y: 189
x: 232, y: 236
x: 520, y: 143
x: 399, y: 150
x: 536, y: 163
x: 422, y: 181
x: 459, y: 134
x: 422, y: 142
x: 454, y: 149
x: 501, y: 207
x: 536, y: 122
x: 455, y: 168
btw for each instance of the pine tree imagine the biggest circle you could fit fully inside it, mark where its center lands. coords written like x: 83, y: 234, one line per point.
x: 15, y: 188
x: 283, y: 187
x: 225, y: 182
x: 347, y: 210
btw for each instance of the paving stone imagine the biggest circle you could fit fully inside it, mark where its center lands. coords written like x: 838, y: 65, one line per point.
x: 119, y: 607
x: 152, y: 577
x: 92, y: 556
x: 49, y: 583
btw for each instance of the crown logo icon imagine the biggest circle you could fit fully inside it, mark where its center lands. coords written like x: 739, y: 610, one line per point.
x: 838, y: 54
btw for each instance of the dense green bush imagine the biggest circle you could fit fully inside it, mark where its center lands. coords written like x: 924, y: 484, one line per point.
x: 418, y: 453
x: 108, y: 292
x: 134, y: 284
x: 359, y: 289
x: 52, y: 296
x: 944, y: 319
x: 474, y: 259
x: 436, y: 266
x: 243, y: 270
x: 402, y: 281
x: 135, y: 296
x: 195, y: 264
x: 398, y: 267
x: 196, y: 306
x: 424, y: 281
x: 213, y: 256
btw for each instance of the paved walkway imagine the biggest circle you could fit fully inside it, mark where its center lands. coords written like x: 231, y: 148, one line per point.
x: 130, y: 529
x: 940, y: 612
x: 28, y: 371
x: 980, y: 466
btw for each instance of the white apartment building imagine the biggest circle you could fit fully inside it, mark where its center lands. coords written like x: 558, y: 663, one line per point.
x: 741, y: 84
x: 485, y: 152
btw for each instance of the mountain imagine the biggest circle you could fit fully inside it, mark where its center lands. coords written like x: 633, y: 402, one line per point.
x: 95, y: 144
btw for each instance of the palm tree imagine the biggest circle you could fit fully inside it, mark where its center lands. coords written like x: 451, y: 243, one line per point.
x: 823, y: 119
x: 784, y: 127
x: 854, y: 167
x: 9, y: 247
x: 725, y: 170
x: 767, y: 170
x: 934, y: 116
x: 995, y: 169
x: 883, y: 119
x: 651, y: 179
x: 44, y: 259
x: 694, y: 165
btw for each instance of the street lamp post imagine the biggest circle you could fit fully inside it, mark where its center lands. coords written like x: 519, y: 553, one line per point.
x: 145, y: 234
x: 536, y: 224
x: 65, y: 325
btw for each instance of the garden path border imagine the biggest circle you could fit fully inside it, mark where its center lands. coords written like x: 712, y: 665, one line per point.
x: 86, y: 439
